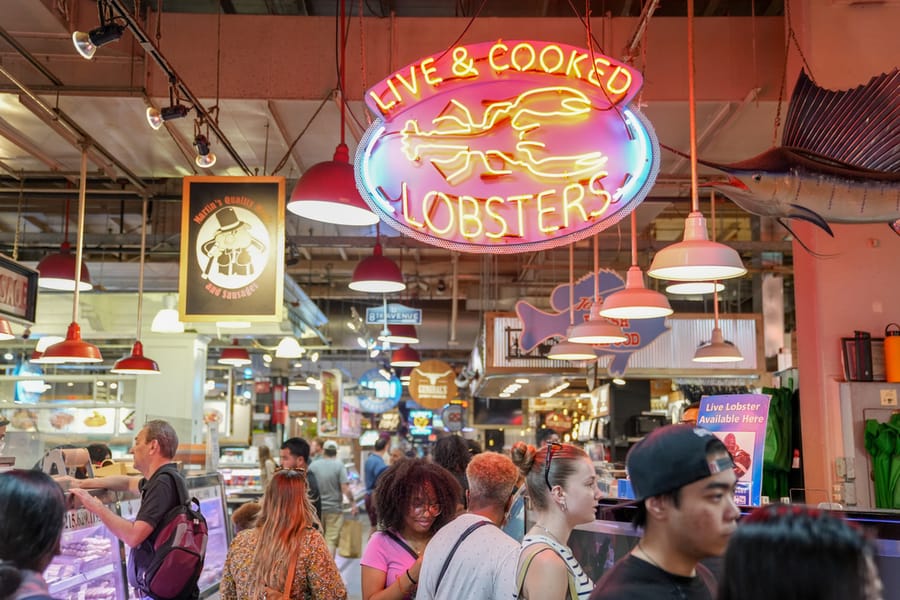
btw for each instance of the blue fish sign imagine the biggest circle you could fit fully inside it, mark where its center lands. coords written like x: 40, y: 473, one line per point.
x: 538, y: 325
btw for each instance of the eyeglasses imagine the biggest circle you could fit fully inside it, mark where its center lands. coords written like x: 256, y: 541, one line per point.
x: 547, y: 459
x: 432, y: 508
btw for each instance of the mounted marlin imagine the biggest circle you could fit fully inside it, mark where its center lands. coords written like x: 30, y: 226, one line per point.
x: 839, y: 161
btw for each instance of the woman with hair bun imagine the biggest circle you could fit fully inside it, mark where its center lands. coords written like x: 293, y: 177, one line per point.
x: 561, y: 484
x: 787, y: 551
x: 31, y: 523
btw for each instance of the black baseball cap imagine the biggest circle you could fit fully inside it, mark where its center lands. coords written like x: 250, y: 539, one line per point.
x: 672, y: 457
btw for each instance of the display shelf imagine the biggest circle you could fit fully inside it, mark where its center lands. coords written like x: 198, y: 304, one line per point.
x: 89, y: 565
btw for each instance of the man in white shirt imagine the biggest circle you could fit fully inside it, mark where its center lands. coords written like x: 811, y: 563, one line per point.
x: 471, y: 557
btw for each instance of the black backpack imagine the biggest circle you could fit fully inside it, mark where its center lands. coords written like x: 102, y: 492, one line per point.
x: 170, y: 567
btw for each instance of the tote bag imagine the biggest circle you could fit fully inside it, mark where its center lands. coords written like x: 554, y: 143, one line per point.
x: 350, y: 541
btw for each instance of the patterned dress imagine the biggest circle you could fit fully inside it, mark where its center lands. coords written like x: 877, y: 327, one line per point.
x: 583, y: 584
x: 316, y: 576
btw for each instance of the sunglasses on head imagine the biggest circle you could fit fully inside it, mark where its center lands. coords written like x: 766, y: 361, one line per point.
x: 547, y: 459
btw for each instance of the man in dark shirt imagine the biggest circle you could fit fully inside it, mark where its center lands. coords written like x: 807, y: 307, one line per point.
x: 295, y: 455
x: 376, y: 464
x: 684, y: 485
x: 153, y: 450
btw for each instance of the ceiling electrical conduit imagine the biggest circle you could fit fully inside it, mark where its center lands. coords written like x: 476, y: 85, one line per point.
x: 185, y: 93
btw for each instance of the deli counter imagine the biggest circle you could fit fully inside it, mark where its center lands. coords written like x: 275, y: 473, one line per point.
x: 92, y: 561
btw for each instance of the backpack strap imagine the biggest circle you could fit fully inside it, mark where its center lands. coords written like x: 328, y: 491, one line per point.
x: 180, y: 487
x: 523, y: 571
x: 289, y: 582
x: 401, y: 543
x: 464, y: 535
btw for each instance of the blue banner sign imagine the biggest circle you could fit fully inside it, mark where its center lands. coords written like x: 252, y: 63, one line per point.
x: 397, y: 315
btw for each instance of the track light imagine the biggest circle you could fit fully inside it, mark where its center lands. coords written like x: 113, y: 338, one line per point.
x: 157, y: 116
x: 205, y: 158
x: 87, y: 43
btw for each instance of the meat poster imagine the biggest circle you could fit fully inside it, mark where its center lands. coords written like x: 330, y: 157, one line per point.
x: 739, y: 420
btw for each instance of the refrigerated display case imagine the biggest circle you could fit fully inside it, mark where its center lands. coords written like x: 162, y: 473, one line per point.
x: 89, y: 565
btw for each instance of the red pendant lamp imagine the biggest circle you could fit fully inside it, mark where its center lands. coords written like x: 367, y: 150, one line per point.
x: 405, y: 356
x: 136, y: 363
x: 235, y: 356
x: 57, y: 270
x: 327, y: 191
x: 73, y: 349
x: 377, y: 274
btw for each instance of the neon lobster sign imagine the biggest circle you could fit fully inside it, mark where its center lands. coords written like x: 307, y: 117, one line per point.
x: 506, y: 147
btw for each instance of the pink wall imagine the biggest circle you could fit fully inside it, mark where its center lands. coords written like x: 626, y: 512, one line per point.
x: 856, y: 285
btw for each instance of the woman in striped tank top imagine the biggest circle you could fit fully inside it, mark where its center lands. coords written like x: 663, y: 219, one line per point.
x: 561, y: 483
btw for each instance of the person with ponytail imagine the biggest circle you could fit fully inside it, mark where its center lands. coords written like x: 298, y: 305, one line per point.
x: 561, y: 484
x: 285, y: 541
x: 32, y: 508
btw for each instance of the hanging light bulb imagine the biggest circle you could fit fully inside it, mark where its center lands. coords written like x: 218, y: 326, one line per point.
x: 635, y: 301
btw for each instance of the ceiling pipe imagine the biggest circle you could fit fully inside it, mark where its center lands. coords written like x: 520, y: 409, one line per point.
x: 153, y: 52
x: 60, y: 122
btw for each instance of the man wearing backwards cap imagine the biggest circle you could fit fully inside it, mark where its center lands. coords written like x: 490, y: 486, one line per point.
x: 684, y: 484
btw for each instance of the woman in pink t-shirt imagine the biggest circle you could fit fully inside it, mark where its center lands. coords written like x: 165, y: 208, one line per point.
x: 414, y: 499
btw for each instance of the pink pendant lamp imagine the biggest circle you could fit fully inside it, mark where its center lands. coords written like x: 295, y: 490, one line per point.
x: 596, y: 330
x: 718, y: 350
x: 566, y: 349
x: 73, y: 349
x: 327, y: 191
x: 695, y: 258
x: 635, y: 301
x: 136, y: 363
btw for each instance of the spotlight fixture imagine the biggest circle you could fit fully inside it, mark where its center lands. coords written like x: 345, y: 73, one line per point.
x: 157, y: 116
x: 205, y: 158
x: 87, y: 43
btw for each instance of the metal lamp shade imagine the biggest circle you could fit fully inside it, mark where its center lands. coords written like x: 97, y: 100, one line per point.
x: 635, y: 301
x: 718, y: 350
x: 73, y: 349
x: 57, y: 271
x: 136, y: 363
x: 327, y: 193
x: 377, y: 274
x: 405, y: 356
x: 696, y: 258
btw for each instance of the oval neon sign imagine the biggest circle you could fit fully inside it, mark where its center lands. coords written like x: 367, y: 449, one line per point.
x: 512, y: 146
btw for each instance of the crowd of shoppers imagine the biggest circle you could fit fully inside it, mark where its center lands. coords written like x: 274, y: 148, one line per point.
x: 425, y: 546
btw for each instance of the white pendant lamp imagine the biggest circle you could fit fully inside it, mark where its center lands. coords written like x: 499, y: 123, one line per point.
x: 695, y: 258
x: 566, y: 349
x: 167, y: 319
x: 635, y: 301
x: 136, y: 363
x: 718, y: 350
x: 596, y: 330
x: 73, y: 349
x: 289, y: 347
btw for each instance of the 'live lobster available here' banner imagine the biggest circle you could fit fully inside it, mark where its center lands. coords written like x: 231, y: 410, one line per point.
x: 739, y: 420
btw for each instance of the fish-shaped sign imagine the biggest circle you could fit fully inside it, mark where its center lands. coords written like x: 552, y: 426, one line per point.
x: 539, y: 325
x: 839, y: 161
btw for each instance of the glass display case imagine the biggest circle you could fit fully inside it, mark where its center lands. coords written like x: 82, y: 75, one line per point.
x: 89, y: 565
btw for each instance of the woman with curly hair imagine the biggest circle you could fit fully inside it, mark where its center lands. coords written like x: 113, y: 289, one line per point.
x: 561, y: 484
x: 793, y: 551
x: 414, y: 498
x: 284, y: 542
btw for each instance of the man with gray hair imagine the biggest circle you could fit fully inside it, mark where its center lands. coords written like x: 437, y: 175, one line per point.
x: 471, y: 557
x: 161, y: 488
